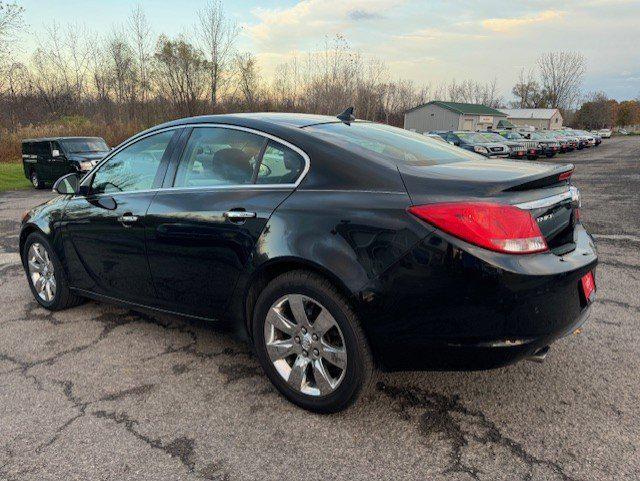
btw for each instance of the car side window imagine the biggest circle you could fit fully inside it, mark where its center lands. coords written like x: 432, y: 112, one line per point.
x: 216, y: 156
x: 134, y: 167
x: 279, y: 165
x: 42, y: 150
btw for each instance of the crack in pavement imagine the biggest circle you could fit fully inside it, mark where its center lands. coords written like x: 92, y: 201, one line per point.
x: 622, y: 304
x: 182, y: 447
x: 438, y: 418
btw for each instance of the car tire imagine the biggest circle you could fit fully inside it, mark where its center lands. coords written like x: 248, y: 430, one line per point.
x: 35, y: 180
x: 320, y: 386
x: 58, y: 296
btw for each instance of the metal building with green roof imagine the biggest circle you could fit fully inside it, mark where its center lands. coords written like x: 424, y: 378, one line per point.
x: 438, y: 115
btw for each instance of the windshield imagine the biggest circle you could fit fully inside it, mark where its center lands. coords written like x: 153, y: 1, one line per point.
x: 472, y: 137
x: 388, y: 142
x: 82, y: 146
x: 536, y: 136
x: 493, y: 137
x: 511, y: 135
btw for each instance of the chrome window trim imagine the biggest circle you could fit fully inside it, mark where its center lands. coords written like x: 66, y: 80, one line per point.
x: 573, y: 194
x: 127, y: 143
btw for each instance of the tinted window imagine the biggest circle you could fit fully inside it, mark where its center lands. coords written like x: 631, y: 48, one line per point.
x: 280, y: 165
x: 218, y: 157
x: 42, y: 149
x: 395, y: 144
x: 134, y: 167
x: 79, y: 146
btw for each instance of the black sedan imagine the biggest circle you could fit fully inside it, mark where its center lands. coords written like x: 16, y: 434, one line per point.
x: 339, y: 246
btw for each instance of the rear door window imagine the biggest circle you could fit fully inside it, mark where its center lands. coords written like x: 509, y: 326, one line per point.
x: 280, y: 165
x: 216, y: 156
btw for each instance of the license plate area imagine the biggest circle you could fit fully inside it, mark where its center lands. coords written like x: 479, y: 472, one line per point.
x: 588, y: 287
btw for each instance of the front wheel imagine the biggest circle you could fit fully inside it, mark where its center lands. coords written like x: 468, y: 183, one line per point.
x: 46, y: 275
x: 310, y: 343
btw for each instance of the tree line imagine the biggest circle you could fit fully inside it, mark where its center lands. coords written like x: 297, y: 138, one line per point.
x: 131, y: 78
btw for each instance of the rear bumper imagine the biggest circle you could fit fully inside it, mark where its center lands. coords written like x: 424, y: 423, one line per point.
x: 450, y: 306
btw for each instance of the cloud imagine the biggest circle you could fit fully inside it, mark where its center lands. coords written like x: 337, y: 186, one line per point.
x: 311, y: 20
x: 505, y: 25
x: 358, y: 15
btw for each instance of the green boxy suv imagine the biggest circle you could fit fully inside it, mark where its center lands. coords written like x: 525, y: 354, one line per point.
x: 46, y: 160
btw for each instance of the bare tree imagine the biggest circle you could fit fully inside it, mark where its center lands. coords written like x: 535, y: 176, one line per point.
x: 122, y: 73
x: 217, y: 34
x: 181, y: 70
x: 10, y: 23
x: 561, y: 74
x: 248, y: 79
x: 140, y: 32
x: 525, y: 90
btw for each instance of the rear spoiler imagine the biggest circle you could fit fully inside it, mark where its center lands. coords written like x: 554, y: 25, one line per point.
x: 546, y: 181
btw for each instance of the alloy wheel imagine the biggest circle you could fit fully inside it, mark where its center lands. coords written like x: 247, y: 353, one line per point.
x: 34, y: 179
x: 305, y: 345
x: 41, y: 272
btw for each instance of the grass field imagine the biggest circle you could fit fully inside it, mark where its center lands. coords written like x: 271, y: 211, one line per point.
x: 12, y: 177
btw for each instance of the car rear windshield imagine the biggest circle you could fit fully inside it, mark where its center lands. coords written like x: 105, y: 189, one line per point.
x: 79, y: 146
x: 391, y: 143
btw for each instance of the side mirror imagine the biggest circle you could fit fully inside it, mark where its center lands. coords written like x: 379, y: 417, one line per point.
x: 67, y: 185
x: 55, y: 153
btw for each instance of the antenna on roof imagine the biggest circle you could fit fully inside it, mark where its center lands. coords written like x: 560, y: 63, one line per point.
x: 347, y: 116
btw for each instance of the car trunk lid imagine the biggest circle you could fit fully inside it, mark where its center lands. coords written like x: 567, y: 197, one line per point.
x: 543, y: 189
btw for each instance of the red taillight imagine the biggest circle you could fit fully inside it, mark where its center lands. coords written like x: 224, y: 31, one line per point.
x: 565, y: 175
x: 498, y: 227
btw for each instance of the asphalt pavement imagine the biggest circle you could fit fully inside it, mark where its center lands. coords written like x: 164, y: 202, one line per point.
x: 100, y: 392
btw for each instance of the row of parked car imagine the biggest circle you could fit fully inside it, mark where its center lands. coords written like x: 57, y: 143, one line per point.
x: 520, y: 144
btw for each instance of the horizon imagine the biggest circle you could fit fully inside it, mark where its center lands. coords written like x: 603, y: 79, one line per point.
x: 428, y: 44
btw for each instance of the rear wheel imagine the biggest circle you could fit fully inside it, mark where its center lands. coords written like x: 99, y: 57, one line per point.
x: 310, y: 343
x: 46, y: 276
x: 35, y: 180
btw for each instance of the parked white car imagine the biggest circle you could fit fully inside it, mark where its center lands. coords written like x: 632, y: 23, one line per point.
x: 605, y: 133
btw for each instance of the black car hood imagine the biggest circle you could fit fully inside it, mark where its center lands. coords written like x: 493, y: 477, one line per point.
x: 484, y: 177
x: 87, y: 156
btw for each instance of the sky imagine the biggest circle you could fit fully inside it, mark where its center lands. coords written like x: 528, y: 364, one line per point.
x: 429, y: 42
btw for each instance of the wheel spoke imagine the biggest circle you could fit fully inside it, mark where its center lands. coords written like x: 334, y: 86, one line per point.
x: 38, y: 254
x: 48, y: 292
x: 335, y: 355
x: 39, y: 284
x: 35, y: 266
x: 323, y: 380
x: 296, y: 303
x: 277, y: 320
x: 52, y: 283
x: 298, y: 374
x: 280, y: 349
x: 323, y: 322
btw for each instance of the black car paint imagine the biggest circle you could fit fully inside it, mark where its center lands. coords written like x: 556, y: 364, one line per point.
x: 426, y: 299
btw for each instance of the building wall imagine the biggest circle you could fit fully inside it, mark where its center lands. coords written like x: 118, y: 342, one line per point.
x: 431, y: 117
x: 554, y: 122
x: 539, y: 124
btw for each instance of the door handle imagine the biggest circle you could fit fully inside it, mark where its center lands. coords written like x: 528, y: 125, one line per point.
x: 239, y: 215
x: 127, y: 219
